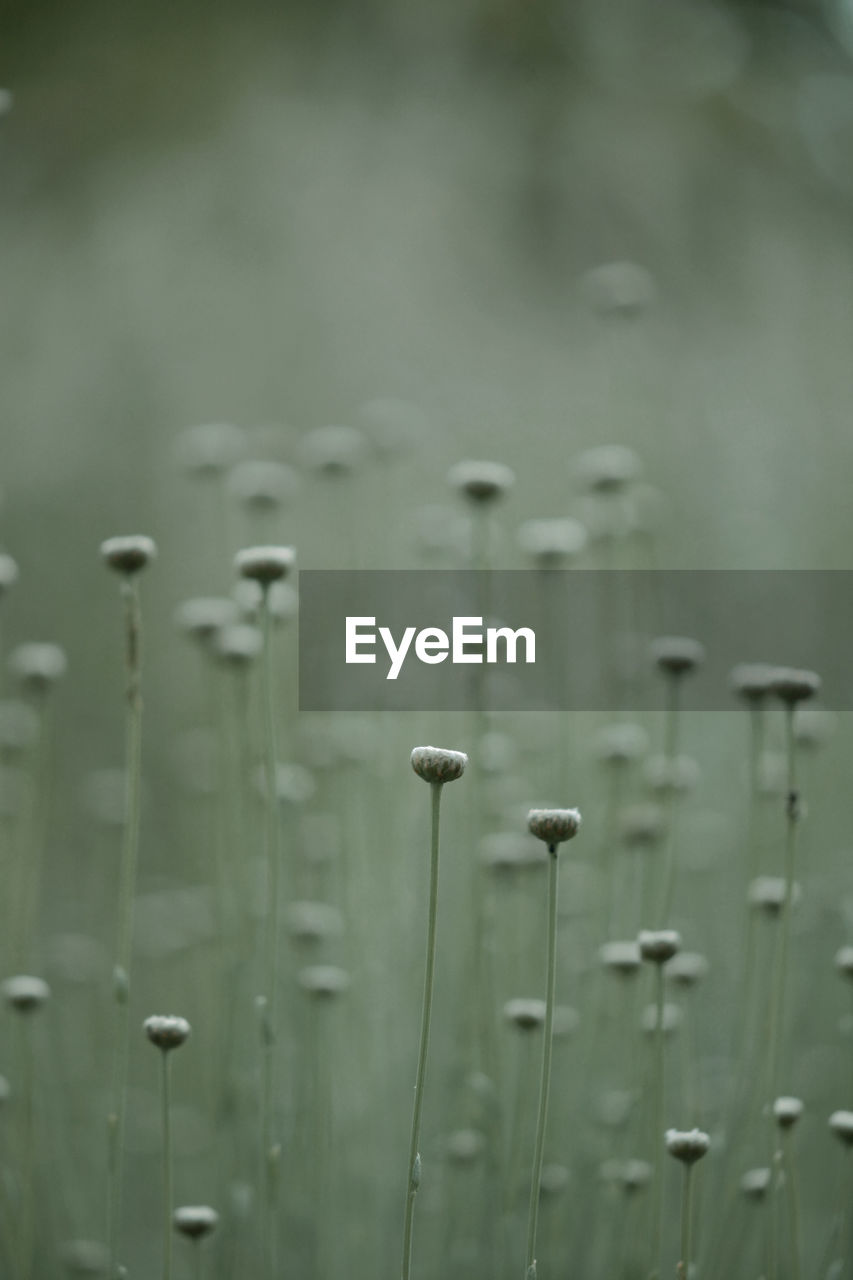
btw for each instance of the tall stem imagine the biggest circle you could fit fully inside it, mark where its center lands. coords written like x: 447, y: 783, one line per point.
x: 426, y: 1013
x: 124, y: 932
x: 657, y: 1135
x: 269, y: 1149
x: 545, y: 1081
x: 778, y: 995
x: 167, y: 1162
x: 686, y: 1221
x: 793, y: 1201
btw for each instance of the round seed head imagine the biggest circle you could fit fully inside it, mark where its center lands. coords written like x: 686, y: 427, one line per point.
x: 481, y: 482
x: 688, y: 1146
x: 791, y: 685
x: 527, y: 1015
x: 438, y: 764
x: 608, y: 469
x: 204, y: 617
x: 324, y: 981
x: 619, y: 744
x: 25, y: 994
x: 554, y: 826
x: 8, y: 573
x: 622, y: 958
x: 38, y: 666
x: 767, y: 894
x: 195, y: 1220
x: 787, y: 1111
x: 210, y: 448
x: 464, y: 1146
x: 677, y: 656
x: 334, y: 451
x: 239, y: 645
x: 841, y: 1124
x: 166, y: 1031
x: 128, y: 555
x: 687, y: 968
x: 658, y: 945
x: 619, y: 289
x: 671, y: 776
x: 636, y: 1174
x: 844, y: 961
x: 19, y: 727
x: 85, y: 1258
x: 752, y: 681
x: 264, y: 564
x: 311, y: 922
x: 262, y: 486
x: 671, y: 1019
x: 755, y: 1183
x: 552, y: 543
x: 641, y: 825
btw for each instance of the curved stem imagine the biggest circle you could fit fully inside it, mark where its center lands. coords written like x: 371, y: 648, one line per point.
x: 545, y: 1082
x: 426, y: 1013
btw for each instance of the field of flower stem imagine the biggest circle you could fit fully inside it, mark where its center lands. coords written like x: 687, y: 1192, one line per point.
x: 336, y: 229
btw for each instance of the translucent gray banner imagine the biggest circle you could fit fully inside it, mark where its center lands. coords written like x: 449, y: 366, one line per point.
x: 520, y: 640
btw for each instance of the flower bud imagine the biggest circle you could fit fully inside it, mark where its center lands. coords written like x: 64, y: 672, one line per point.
x: 334, y: 451
x: 25, y: 994
x: 607, y: 469
x: 38, y: 666
x: 554, y: 826
x: 755, y: 1183
x: 551, y: 543
x: 658, y: 945
x: 438, y: 764
x: 687, y: 968
x: 677, y: 656
x: 195, y: 1220
x: 787, y: 1111
x: 166, y: 1031
x: 264, y: 564
x: 688, y: 1146
x: 752, y: 681
x: 841, y: 1124
x: 481, y: 482
x: 525, y: 1014
x: 130, y: 554
x: 622, y: 958
x: 792, y: 686
x: 263, y: 486
x: 324, y: 981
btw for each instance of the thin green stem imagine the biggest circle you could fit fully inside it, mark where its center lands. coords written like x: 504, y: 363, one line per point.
x: 545, y: 1081
x: 656, y: 1203
x: 673, y: 700
x: 269, y: 1149
x: 165, y: 1077
x: 686, y: 1222
x: 793, y: 1200
x: 26, y: 1225
x: 414, y: 1168
x: 777, y: 1006
x: 124, y: 931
